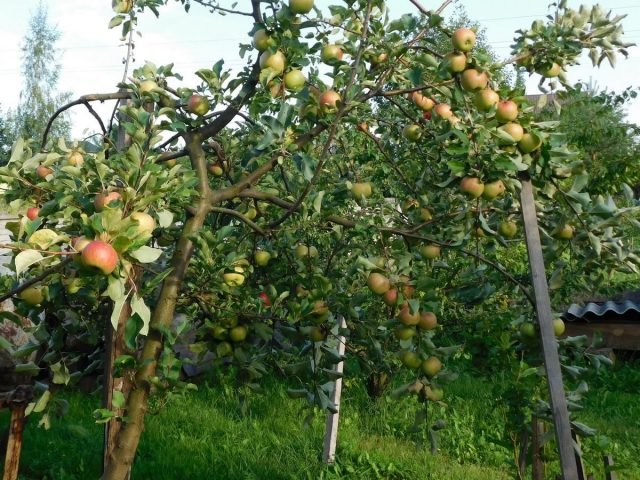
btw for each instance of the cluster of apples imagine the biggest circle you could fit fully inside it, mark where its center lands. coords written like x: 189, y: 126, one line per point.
x: 226, y: 332
x: 410, y: 321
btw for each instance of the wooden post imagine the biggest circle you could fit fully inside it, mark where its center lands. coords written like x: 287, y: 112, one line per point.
x: 331, y: 427
x: 579, y: 462
x: 537, y: 465
x: 609, y: 474
x: 14, y: 444
x: 549, y: 345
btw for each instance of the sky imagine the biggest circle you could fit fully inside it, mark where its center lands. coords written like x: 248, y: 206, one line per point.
x: 91, y: 55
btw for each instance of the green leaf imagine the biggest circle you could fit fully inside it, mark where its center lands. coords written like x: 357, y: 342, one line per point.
x: 146, y: 254
x: 117, y: 308
x: 118, y: 400
x: 115, y: 21
x: 165, y: 218
x: 25, y: 259
x: 61, y: 374
x: 138, y: 306
x: 595, y: 243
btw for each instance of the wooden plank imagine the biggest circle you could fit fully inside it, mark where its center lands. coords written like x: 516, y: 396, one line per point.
x: 331, y: 427
x: 609, y: 473
x: 537, y: 465
x: 559, y: 409
x: 14, y: 444
x: 579, y: 463
x: 621, y: 336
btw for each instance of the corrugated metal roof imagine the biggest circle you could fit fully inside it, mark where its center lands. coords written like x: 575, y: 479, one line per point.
x: 626, y: 308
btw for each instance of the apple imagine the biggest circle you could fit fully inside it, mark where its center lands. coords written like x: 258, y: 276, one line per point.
x: 493, y: 189
x: 262, y: 258
x: 171, y: 163
x: 43, y: 171
x: 428, y: 321
x: 390, y: 297
x: 425, y: 214
x: 233, y: 279
x: 75, y: 159
x: 552, y: 71
x: 103, y: 200
x: 229, y: 321
x: 515, y: 130
x: 329, y: 101
x: 275, y: 61
x: 378, y: 59
x: 407, y: 289
x: 262, y: 40
x: 294, y: 80
x: 410, y: 359
x: 33, y: 213
x: 251, y: 213
x: 363, y: 127
x: 147, y: 86
x: 216, y: 169
x: 558, y: 326
x: 463, y: 39
x: 121, y: 6
x: 455, y: 62
x: 146, y: 223
x: 301, y: 251
x: 508, y: 229
x: 404, y: 333
x: 443, y: 110
x: 100, y: 255
x: 378, y: 283
x: 360, y: 190
x: 238, y: 334
x: 265, y: 298
x: 528, y: 330
x: 32, y: 295
x: 331, y: 54
x: 425, y: 103
x: 426, y: 115
x: 485, y: 99
x: 317, y: 334
x: 472, y: 187
x: 506, y: 111
x: 430, y: 251
x: 472, y: 80
x: 198, y: 104
x: 529, y: 143
x: 564, y: 232
x: 431, y: 366
x: 434, y: 394
x: 412, y: 132
x: 224, y: 349
x: 407, y: 317
x: 219, y: 332
x: 300, y: 6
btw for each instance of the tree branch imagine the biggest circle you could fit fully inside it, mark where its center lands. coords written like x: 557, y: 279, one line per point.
x: 37, y: 279
x: 240, y: 217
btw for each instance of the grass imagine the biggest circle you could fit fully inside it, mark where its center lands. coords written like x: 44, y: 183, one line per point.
x: 208, y: 435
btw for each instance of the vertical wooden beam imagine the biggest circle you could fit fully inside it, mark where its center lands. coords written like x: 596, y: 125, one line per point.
x: 609, y: 474
x: 549, y: 344
x: 331, y: 427
x: 537, y: 465
x: 14, y: 444
x: 579, y: 463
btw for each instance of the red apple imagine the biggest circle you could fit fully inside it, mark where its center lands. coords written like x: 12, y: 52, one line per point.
x: 390, y: 297
x: 428, y: 321
x: 43, y: 171
x: 198, y: 104
x: 265, y: 298
x: 463, y: 39
x: 329, y: 101
x: 216, y: 169
x: 407, y: 317
x: 32, y: 213
x: 443, y: 110
x: 455, y: 62
x: 472, y: 187
x: 506, y: 111
x: 102, y: 200
x: 378, y: 283
x: 100, y: 255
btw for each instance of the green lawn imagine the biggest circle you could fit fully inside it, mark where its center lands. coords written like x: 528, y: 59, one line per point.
x: 206, y: 435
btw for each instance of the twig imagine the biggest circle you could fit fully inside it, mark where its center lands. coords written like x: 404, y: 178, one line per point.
x: 35, y: 280
x: 241, y: 217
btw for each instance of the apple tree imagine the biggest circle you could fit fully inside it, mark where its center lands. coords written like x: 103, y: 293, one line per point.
x: 351, y: 169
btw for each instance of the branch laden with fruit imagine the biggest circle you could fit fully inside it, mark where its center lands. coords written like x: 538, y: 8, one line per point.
x: 252, y: 207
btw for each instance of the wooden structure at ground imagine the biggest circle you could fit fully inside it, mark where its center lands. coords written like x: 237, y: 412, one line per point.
x: 618, y: 322
x: 331, y: 427
x: 557, y: 397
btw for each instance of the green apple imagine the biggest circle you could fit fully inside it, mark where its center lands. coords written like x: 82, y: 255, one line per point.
x: 463, y: 39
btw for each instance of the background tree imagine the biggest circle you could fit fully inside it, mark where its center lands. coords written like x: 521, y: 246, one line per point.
x: 41, y: 70
x: 5, y: 139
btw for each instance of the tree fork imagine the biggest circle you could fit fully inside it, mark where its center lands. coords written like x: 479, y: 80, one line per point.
x: 128, y: 438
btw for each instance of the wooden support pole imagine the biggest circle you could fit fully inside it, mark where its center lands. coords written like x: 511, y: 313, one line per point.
x: 609, y: 474
x: 549, y: 344
x: 331, y: 427
x: 579, y: 463
x: 14, y: 444
x: 537, y: 465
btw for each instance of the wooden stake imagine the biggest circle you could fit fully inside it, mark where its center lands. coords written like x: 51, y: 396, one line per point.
x: 549, y: 345
x: 537, y: 465
x: 331, y: 427
x: 14, y: 445
x: 609, y: 474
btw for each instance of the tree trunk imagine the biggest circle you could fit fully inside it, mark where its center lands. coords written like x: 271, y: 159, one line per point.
x: 121, y: 458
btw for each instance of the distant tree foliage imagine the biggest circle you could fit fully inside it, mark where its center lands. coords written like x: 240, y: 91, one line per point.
x: 5, y: 139
x: 41, y: 71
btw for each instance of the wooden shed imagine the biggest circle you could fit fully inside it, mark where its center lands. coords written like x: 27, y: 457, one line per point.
x: 617, y: 321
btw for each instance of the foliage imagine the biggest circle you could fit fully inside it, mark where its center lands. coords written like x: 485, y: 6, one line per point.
x: 41, y: 70
x: 327, y: 180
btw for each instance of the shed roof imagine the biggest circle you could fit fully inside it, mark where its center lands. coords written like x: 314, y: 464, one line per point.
x: 619, y: 311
